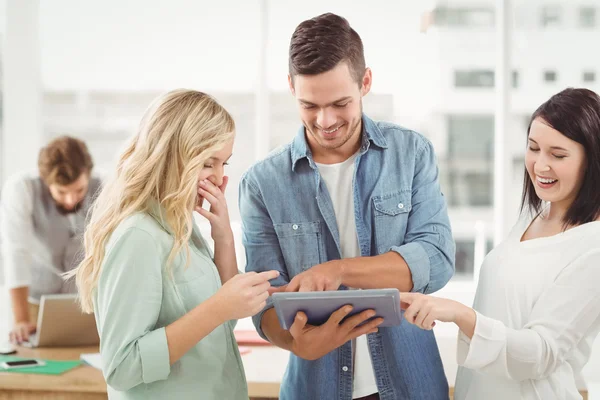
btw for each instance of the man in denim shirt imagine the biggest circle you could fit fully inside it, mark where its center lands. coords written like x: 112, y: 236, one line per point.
x: 349, y: 203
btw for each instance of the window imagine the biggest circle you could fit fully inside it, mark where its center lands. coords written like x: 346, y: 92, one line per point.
x: 480, y: 78
x: 471, y: 136
x: 551, y: 16
x: 515, y: 79
x: 465, y: 257
x: 464, y: 17
x: 589, y: 76
x: 466, y: 174
x: 474, y: 78
x: 471, y: 188
x: 550, y: 76
x: 587, y: 17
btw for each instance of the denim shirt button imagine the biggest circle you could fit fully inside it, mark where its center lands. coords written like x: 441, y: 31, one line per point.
x: 295, y: 227
x: 401, y: 206
x: 345, y: 369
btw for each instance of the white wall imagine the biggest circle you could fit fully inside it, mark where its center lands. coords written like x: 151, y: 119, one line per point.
x: 129, y: 44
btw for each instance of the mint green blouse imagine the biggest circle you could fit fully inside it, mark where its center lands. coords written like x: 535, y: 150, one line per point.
x: 136, y: 299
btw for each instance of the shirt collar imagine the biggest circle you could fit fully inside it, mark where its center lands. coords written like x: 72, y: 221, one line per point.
x: 370, y: 134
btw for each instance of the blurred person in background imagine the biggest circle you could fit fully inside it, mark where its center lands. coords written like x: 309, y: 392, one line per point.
x: 42, y: 219
x: 537, y: 307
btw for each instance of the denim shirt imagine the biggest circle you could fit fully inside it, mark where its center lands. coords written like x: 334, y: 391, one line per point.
x: 289, y: 224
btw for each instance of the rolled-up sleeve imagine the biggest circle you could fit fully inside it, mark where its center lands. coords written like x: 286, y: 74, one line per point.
x: 260, y: 241
x: 16, y: 233
x: 428, y: 247
x: 127, y: 305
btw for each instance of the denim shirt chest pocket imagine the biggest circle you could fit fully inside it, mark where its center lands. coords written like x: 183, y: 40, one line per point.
x: 390, y: 214
x: 300, y: 244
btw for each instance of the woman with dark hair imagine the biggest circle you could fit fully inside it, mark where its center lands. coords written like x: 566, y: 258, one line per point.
x: 537, y: 308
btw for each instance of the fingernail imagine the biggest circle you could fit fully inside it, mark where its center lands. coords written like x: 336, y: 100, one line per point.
x: 371, y: 314
x: 203, y: 183
x: 348, y: 309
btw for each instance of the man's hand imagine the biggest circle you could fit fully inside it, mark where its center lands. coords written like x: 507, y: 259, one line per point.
x: 320, y: 278
x: 20, y: 332
x: 312, y: 342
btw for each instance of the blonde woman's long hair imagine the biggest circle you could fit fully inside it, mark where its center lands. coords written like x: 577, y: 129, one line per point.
x: 177, y: 134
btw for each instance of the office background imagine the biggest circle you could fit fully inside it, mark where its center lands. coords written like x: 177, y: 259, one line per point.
x: 90, y: 69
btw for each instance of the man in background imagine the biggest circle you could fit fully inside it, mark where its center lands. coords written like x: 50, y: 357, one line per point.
x: 42, y: 220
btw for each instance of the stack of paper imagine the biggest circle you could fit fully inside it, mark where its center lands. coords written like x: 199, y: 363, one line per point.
x: 92, y: 359
x: 249, y: 338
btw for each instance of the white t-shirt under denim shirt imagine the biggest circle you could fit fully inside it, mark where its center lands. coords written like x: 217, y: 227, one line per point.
x: 538, y: 313
x: 339, y: 180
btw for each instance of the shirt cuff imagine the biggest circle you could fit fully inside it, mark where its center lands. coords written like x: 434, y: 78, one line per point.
x: 418, y: 262
x: 462, y: 347
x: 15, y: 284
x: 485, y: 345
x: 257, y: 319
x: 154, y: 353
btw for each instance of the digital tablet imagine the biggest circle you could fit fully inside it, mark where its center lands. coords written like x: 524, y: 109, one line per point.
x: 318, y: 306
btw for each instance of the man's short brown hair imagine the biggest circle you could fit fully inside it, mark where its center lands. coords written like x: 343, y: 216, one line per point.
x: 64, y: 160
x: 319, y: 44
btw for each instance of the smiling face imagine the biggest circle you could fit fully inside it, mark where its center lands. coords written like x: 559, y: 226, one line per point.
x: 330, y: 107
x: 555, y: 164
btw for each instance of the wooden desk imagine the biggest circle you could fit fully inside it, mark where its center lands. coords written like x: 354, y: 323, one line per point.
x: 80, y: 383
x: 87, y: 383
x: 264, y: 370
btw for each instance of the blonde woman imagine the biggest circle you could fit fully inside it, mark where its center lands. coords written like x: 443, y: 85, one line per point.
x: 164, y: 304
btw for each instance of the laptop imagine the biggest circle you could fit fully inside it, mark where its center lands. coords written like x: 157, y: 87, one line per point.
x: 61, y: 323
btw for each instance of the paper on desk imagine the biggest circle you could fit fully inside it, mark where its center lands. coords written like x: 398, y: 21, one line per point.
x: 51, y: 367
x: 92, y: 359
x: 249, y: 338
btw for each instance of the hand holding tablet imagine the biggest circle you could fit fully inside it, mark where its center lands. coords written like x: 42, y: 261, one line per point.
x: 312, y: 342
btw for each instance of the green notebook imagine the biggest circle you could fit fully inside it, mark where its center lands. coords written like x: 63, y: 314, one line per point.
x: 52, y: 367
